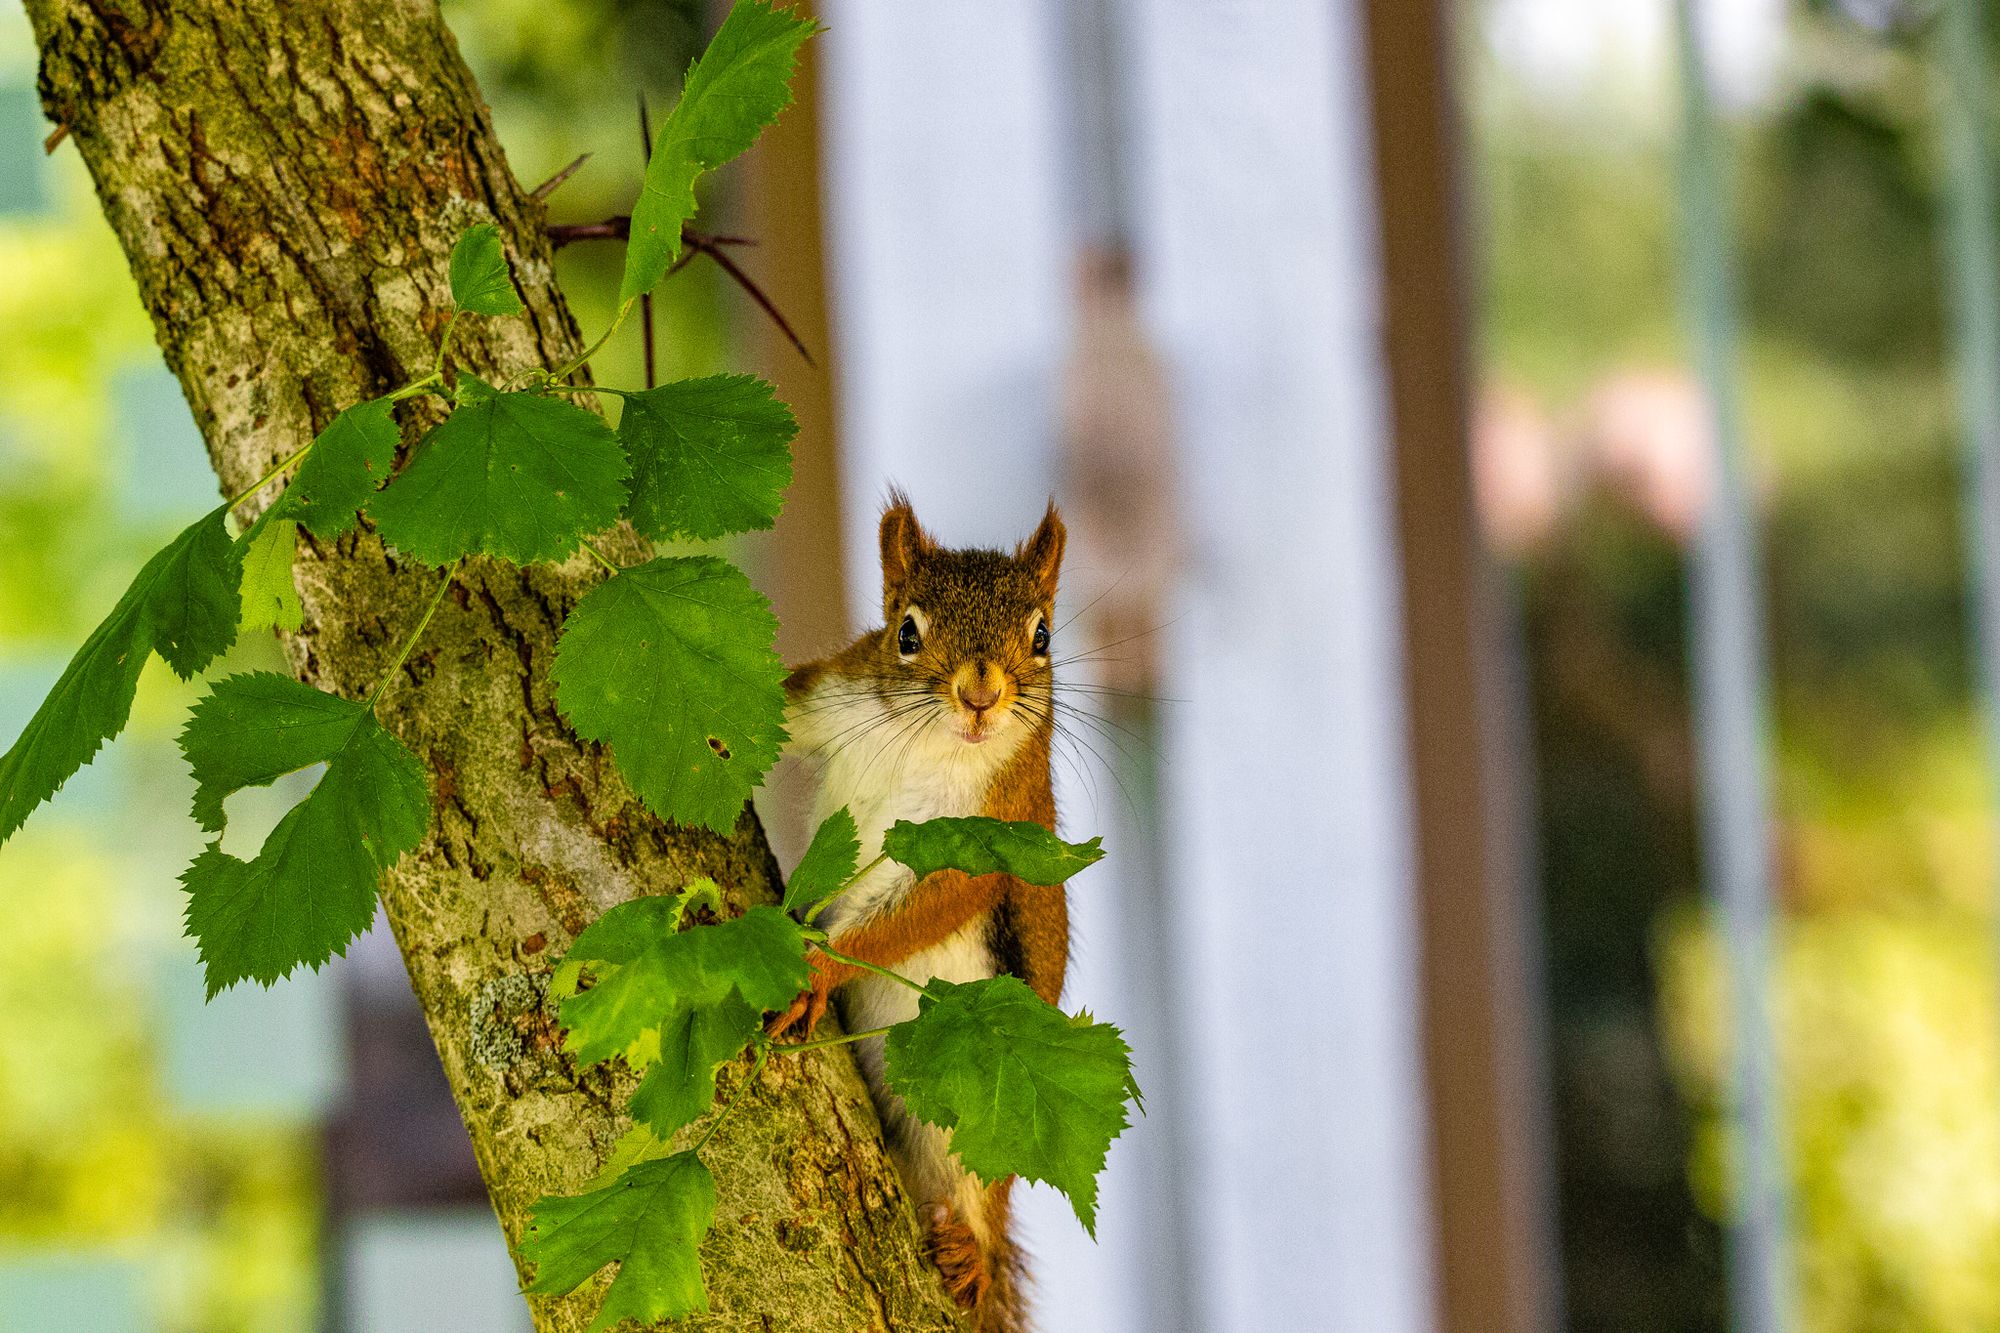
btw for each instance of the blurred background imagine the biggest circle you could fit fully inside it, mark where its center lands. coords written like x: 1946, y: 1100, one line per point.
x: 1523, y: 466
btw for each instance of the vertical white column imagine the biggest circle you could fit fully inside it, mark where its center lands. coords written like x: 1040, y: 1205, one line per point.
x: 1285, y: 769
x: 948, y: 264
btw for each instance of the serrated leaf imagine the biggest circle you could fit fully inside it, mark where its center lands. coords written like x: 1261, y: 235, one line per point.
x: 649, y: 1221
x: 348, y: 461
x: 828, y: 864
x: 710, y: 456
x: 270, y: 598
x: 480, y: 281
x: 694, y: 1041
x: 635, y: 1145
x: 516, y: 475
x: 630, y: 928
x: 184, y: 604
x: 673, y: 665
x: 644, y: 974
x: 981, y: 846
x: 736, y: 88
x: 1024, y: 1088
x: 249, y: 730
x: 311, y: 888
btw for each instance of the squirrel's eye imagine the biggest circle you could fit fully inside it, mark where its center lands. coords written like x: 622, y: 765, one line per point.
x: 1041, y: 644
x: 908, y: 641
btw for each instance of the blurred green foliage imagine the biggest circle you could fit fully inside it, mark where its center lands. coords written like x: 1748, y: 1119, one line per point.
x: 1885, y: 979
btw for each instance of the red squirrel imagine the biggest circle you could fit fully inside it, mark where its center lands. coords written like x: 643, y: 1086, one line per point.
x: 948, y: 709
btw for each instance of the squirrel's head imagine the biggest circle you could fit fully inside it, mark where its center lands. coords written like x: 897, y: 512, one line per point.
x: 970, y: 629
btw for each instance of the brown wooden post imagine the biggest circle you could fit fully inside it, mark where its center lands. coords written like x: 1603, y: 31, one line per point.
x: 1482, y: 1000
x: 802, y: 567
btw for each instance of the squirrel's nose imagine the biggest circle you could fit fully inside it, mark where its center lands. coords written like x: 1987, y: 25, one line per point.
x: 982, y: 690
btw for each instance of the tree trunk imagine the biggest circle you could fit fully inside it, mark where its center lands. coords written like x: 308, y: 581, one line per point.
x: 287, y: 178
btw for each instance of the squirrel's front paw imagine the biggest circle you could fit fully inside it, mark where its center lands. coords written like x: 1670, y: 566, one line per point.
x: 811, y: 1003
x: 810, y: 1006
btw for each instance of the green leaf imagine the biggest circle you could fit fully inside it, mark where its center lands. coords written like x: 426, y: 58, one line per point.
x: 1024, y: 1088
x: 649, y: 1221
x: 311, y: 888
x: 269, y: 595
x: 184, y: 604
x: 710, y: 456
x: 635, y: 1145
x: 672, y: 664
x: 627, y: 930
x: 480, y: 281
x: 348, y: 461
x: 827, y: 865
x: 644, y: 974
x: 694, y: 1041
x: 737, y: 87
x: 676, y: 1005
x: 516, y: 475
x: 981, y: 846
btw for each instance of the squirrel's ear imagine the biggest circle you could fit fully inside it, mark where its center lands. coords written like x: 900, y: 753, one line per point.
x: 1043, y: 552
x: 904, y: 541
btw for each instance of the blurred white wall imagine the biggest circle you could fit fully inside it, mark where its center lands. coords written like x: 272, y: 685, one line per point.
x: 950, y: 195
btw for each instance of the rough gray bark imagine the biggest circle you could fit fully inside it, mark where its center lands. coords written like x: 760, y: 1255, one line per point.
x: 287, y: 178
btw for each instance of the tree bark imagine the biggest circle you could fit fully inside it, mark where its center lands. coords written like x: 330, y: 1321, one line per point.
x: 287, y: 178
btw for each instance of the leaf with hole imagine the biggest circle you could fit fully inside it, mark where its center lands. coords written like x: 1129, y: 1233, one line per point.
x: 673, y: 665
x: 184, y: 605
x: 517, y: 475
x: 311, y: 888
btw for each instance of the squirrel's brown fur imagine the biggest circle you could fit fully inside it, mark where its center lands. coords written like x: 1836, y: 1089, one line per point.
x: 961, y: 725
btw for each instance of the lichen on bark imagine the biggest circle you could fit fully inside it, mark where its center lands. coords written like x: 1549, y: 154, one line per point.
x: 286, y: 178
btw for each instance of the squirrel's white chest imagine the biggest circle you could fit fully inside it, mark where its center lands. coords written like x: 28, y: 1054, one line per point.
x: 885, y: 763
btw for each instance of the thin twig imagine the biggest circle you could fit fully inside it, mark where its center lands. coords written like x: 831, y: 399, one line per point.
x: 646, y: 300
x: 611, y: 229
x: 867, y: 966
x: 54, y: 141
x: 795, y: 1047
x: 403, y: 653
x: 743, y: 280
x: 618, y: 227
x: 548, y: 187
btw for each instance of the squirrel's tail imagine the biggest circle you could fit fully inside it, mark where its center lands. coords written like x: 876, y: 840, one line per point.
x: 967, y: 1224
x: 972, y: 1243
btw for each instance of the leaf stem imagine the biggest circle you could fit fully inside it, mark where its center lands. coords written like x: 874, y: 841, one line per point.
x: 763, y: 1053
x: 415, y: 387
x: 265, y: 480
x: 403, y: 653
x: 793, y: 1048
x: 602, y: 559
x: 576, y: 365
x: 867, y: 966
x: 850, y: 882
x: 444, y: 345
